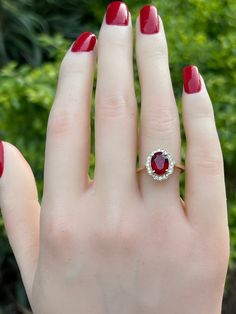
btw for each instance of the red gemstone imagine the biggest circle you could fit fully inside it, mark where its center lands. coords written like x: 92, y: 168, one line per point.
x: 159, y: 163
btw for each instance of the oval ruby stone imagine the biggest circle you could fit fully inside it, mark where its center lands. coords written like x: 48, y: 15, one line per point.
x: 159, y: 163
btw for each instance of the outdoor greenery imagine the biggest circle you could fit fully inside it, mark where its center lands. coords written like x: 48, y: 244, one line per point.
x: 34, y: 35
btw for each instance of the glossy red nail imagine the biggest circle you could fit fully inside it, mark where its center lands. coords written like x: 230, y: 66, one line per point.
x: 1, y: 158
x: 117, y: 14
x: 192, y: 81
x: 149, y: 20
x: 85, y: 42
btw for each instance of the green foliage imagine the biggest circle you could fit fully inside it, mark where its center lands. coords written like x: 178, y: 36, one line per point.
x: 21, y: 21
x: 199, y: 32
x: 18, y: 31
x: 26, y: 94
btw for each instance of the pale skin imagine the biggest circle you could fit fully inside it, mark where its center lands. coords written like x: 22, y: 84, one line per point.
x: 122, y: 243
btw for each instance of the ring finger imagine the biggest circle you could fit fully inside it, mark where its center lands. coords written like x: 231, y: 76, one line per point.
x: 159, y: 114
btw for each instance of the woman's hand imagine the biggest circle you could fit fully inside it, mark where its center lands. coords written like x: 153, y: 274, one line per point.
x: 123, y: 243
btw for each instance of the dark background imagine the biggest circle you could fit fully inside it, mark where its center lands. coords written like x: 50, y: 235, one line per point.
x: 35, y: 34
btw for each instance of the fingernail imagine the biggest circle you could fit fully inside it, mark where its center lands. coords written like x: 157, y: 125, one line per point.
x: 117, y: 14
x: 192, y: 81
x: 85, y: 42
x: 1, y: 158
x: 149, y: 20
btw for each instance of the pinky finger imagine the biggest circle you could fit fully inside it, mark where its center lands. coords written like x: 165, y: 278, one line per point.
x: 205, y: 195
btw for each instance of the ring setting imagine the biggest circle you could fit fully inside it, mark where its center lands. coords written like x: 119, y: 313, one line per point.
x: 160, y: 164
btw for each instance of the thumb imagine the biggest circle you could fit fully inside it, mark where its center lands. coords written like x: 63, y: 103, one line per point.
x: 20, y: 210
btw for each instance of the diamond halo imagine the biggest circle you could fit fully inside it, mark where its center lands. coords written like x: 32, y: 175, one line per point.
x: 152, y: 172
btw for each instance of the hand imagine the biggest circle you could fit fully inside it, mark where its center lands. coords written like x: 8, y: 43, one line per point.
x: 123, y: 243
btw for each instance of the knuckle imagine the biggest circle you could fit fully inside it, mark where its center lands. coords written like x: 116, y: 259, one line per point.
x: 58, y: 123
x: 208, y: 161
x: 114, y: 106
x: 206, y: 116
x: 126, y: 236
x: 155, y: 51
x: 57, y: 234
x: 159, y: 122
x: 61, y: 122
x: 110, y: 240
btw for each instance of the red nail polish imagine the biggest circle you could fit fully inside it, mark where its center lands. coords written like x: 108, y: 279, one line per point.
x: 85, y: 42
x: 192, y: 81
x: 1, y: 158
x: 117, y: 14
x: 149, y: 20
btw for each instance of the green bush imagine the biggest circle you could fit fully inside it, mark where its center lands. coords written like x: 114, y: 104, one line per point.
x: 198, y: 32
x: 22, y: 20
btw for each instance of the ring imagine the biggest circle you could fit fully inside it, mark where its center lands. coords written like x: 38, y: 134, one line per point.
x: 160, y: 165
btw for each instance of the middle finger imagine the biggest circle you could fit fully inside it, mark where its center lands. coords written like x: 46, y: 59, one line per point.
x: 116, y: 110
